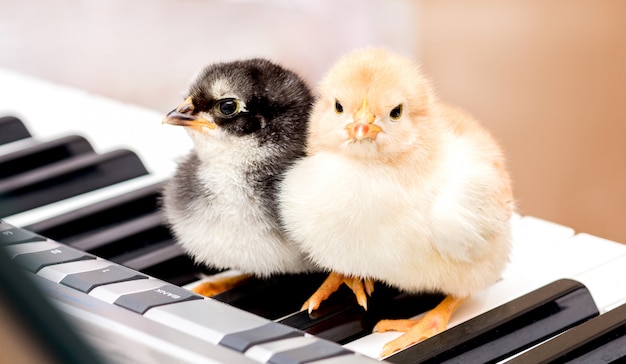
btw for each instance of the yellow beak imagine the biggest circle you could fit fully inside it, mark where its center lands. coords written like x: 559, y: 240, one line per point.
x: 363, y: 126
x: 183, y: 115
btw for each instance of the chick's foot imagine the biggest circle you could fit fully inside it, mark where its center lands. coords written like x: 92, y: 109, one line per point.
x: 434, y: 322
x: 211, y: 288
x: 361, y: 288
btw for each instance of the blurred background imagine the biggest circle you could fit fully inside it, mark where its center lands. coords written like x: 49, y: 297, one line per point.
x: 548, y: 78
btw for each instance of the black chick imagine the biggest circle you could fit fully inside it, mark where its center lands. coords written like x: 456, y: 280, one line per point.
x: 248, y: 123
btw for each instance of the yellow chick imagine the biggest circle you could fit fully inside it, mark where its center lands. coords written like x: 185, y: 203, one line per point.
x: 400, y: 188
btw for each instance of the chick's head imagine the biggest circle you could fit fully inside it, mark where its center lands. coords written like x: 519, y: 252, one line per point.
x: 373, y: 104
x: 255, y: 99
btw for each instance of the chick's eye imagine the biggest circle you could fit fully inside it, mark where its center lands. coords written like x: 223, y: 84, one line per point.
x: 396, y: 112
x: 338, y: 107
x: 228, y: 107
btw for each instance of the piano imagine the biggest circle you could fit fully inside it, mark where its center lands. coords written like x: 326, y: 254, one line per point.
x: 80, y: 179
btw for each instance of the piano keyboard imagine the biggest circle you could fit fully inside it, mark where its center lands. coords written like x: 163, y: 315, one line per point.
x: 80, y: 178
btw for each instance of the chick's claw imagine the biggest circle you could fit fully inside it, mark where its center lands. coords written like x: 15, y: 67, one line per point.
x: 434, y: 322
x: 211, y: 288
x: 414, y: 332
x: 361, y: 289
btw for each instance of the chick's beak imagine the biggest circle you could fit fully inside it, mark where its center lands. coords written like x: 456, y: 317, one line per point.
x: 363, y: 126
x: 183, y: 116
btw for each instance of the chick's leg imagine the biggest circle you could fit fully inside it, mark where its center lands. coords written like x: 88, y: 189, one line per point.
x: 434, y: 322
x: 361, y: 289
x: 219, y: 285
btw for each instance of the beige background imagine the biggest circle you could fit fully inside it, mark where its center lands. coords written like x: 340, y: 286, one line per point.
x: 548, y: 78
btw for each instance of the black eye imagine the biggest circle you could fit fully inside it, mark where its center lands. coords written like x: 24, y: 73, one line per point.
x: 228, y: 107
x: 396, y: 112
x: 338, y: 107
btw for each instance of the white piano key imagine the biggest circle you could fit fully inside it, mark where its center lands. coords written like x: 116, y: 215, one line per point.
x: 208, y: 319
x: 17, y: 145
x: 262, y: 353
x: 111, y: 292
x: 532, y: 235
x: 606, y: 283
x: 346, y: 359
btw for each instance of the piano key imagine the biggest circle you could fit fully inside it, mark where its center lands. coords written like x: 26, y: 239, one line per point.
x: 508, y: 329
x: 67, y: 178
x: 17, y: 236
x: 296, y: 350
x: 101, y: 237
x: 599, y: 340
x: 243, y: 340
x: 86, y: 281
x: 317, y: 350
x: 57, y: 272
x: 153, y: 239
x: 30, y: 247
x: 565, y: 258
x: 111, y: 292
x: 34, y: 261
x: 209, y: 319
x: 12, y: 129
x: 347, y: 359
x: 150, y: 256
x: 180, y: 271
x: 140, y: 302
x: 263, y: 352
x: 43, y: 154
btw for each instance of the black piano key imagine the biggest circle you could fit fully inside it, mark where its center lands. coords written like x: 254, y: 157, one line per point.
x: 507, y: 329
x: 342, y: 320
x: 65, y: 179
x: 180, y: 271
x: 273, y: 297
x: 12, y: 129
x: 42, y: 154
x: 243, y: 340
x: 121, y: 244
x: 86, y: 281
x: 150, y: 255
x: 141, y: 302
x: 599, y: 340
x: 15, y: 235
x: 62, y: 254
x: 105, y: 236
x: 85, y: 222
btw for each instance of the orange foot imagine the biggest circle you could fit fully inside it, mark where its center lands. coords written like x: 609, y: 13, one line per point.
x: 361, y: 289
x: 434, y: 322
x: 219, y: 285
